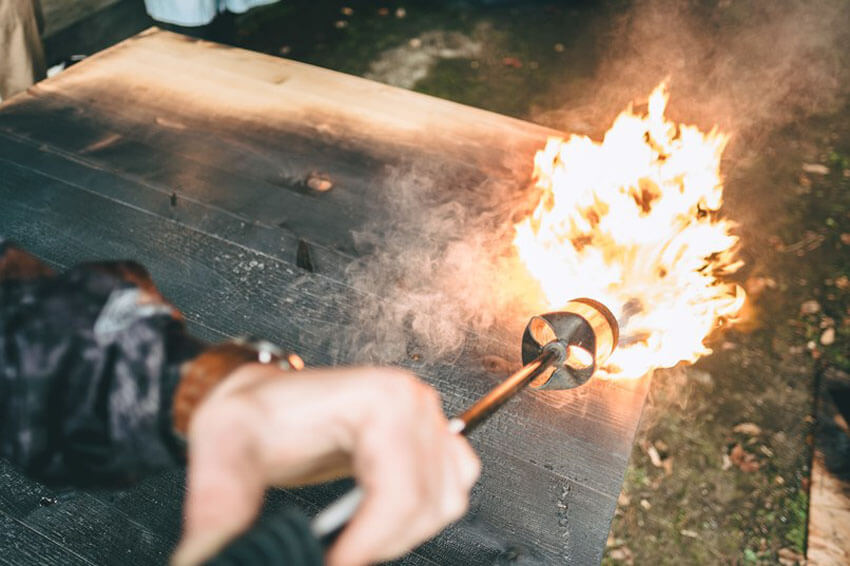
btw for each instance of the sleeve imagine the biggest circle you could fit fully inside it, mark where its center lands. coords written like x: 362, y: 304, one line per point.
x: 89, y: 361
x: 284, y: 538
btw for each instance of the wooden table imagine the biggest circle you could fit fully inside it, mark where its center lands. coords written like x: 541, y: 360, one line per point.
x: 193, y: 158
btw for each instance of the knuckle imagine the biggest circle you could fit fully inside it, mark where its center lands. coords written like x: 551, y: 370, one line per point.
x: 407, y: 393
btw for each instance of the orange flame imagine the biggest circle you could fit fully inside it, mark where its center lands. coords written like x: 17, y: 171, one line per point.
x: 633, y: 222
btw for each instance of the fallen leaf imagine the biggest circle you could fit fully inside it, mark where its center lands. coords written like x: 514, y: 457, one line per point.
x: 667, y: 464
x: 689, y: 533
x: 347, y: 10
x: 828, y: 337
x: 512, y: 62
x: 645, y: 504
x: 788, y: 557
x: 623, y: 500
x: 845, y: 238
x: 816, y: 168
x: 654, y: 457
x: 622, y: 554
x: 843, y: 282
x: 744, y: 460
x: 750, y: 429
x: 810, y: 307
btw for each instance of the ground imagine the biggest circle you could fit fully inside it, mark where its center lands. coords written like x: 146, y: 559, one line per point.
x: 719, y: 470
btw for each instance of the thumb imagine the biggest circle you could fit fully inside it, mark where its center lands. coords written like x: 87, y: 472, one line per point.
x: 225, y: 493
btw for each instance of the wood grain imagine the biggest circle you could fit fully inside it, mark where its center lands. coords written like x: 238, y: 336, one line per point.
x: 193, y: 158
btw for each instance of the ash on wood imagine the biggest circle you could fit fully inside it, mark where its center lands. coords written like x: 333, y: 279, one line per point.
x: 91, y: 161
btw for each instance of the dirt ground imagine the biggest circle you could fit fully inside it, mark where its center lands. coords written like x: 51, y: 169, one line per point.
x: 719, y: 471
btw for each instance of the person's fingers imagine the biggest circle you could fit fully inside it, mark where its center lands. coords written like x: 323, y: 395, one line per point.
x: 412, y: 491
x: 468, y: 462
x: 391, y: 467
x: 225, y: 491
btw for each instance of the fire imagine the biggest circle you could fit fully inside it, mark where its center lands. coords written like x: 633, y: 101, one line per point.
x: 633, y: 221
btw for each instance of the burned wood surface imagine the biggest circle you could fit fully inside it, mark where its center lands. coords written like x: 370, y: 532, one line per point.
x: 195, y: 159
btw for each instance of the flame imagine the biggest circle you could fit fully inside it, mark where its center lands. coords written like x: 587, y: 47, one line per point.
x: 633, y: 221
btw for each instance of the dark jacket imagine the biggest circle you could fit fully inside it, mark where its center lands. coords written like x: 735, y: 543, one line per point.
x: 89, y: 361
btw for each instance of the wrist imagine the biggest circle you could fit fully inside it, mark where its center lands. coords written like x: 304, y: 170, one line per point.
x: 200, y: 376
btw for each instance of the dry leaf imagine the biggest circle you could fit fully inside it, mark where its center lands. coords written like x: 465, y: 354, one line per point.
x: 512, y: 62
x: 689, y: 533
x: 845, y: 238
x: 828, y: 337
x: 750, y: 429
x: 744, y: 460
x: 788, y: 557
x: 622, y: 554
x: 816, y: 168
x: 810, y: 307
x: 654, y: 457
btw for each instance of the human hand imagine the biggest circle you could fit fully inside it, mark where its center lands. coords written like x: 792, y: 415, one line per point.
x: 262, y: 427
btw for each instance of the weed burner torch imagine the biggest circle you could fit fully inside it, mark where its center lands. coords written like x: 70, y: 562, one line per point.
x: 560, y: 350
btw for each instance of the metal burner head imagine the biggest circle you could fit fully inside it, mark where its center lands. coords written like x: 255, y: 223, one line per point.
x: 588, y: 332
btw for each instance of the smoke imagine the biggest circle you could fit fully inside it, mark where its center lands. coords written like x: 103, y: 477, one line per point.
x: 747, y: 67
x: 440, y: 263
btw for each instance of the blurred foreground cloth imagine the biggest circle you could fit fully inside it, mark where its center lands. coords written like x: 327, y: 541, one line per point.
x: 197, y: 12
x: 21, y: 52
